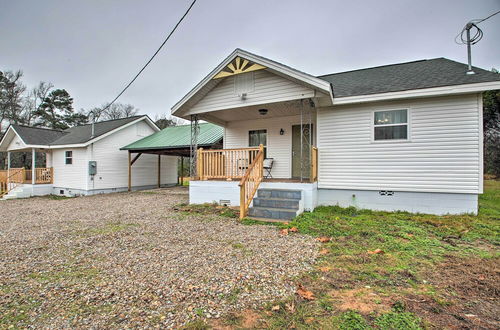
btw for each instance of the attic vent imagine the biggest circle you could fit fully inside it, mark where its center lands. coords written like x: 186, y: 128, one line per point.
x: 244, y: 83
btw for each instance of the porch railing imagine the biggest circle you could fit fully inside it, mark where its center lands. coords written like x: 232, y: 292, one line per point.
x: 20, y: 175
x: 42, y: 175
x: 9, y: 180
x: 251, y: 181
x: 225, y: 164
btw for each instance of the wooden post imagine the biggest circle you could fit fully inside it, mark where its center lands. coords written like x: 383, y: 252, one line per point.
x: 182, y: 171
x: 159, y: 171
x: 129, y: 171
x: 8, y: 167
x: 242, y: 201
x: 199, y: 163
x: 261, y: 149
x: 33, y: 162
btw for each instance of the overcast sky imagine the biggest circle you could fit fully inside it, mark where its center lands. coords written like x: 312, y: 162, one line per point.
x: 93, y: 48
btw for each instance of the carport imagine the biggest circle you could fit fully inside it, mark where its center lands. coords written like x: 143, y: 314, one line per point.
x: 173, y: 141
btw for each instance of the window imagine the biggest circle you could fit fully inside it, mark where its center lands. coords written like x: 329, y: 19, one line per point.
x: 258, y: 137
x: 390, y: 125
x: 69, y: 157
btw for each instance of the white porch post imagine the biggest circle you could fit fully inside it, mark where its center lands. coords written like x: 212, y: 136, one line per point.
x: 33, y: 171
x: 8, y: 167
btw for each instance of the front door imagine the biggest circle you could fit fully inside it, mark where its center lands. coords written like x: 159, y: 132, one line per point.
x: 303, y: 158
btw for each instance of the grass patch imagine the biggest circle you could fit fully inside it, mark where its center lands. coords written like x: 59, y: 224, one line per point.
x: 109, y: 228
x: 208, y: 209
x: 58, y: 197
x: 388, y: 256
x: 69, y: 274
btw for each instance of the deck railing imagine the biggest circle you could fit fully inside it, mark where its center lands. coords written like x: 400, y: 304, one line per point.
x: 43, y: 175
x: 251, y: 181
x: 224, y: 164
x: 10, y: 179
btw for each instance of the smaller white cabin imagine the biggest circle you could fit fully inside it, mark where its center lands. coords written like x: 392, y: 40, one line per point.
x: 84, y: 160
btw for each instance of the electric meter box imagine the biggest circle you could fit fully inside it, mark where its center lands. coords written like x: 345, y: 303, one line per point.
x: 92, y: 167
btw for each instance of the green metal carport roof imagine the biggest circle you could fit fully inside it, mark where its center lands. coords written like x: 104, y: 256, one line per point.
x: 177, y: 139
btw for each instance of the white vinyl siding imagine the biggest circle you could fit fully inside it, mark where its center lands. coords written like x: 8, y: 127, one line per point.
x: 444, y: 153
x: 16, y: 143
x: 267, y: 88
x: 278, y: 147
x: 112, y: 168
x: 70, y: 176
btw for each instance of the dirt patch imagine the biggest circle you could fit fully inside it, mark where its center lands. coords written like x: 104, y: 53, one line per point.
x: 247, y: 319
x: 364, y: 300
x: 469, y: 295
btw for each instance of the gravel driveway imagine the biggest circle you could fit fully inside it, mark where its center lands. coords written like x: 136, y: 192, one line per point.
x: 135, y: 260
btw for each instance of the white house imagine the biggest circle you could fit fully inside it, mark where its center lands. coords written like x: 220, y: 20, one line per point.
x: 398, y: 137
x: 85, y: 160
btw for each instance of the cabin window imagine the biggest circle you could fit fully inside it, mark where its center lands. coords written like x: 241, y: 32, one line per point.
x: 69, y: 157
x: 390, y: 125
x: 258, y: 137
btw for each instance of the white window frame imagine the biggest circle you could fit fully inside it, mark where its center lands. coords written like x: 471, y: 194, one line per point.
x: 408, y: 126
x: 66, y: 157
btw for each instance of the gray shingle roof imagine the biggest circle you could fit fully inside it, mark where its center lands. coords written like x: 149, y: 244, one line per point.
x: 82, y: 134
x: 73, y: 135
x: 436, y: 72
x: 37, y: 135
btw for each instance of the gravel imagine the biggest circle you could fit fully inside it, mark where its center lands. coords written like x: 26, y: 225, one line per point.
x: 135, y: 260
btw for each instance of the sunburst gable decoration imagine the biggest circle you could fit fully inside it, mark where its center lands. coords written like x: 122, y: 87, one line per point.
x: 237, y: 66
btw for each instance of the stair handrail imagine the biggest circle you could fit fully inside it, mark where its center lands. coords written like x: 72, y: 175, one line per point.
x: 250, y: 181
x: 7, y: 185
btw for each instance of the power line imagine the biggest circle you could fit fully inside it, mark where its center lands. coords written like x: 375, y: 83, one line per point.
x: 478, y: 35
x: 477, y: 21
x: 152, y: 57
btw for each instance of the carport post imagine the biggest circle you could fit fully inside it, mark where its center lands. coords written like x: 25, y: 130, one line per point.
x: 182, y: 171
x: 129, y: 170
x: 159, y: 170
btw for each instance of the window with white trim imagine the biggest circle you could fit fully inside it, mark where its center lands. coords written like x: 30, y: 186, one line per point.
x: 390, y: 125
x: 68, y: 157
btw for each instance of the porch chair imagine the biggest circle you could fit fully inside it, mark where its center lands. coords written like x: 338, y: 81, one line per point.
x: 268, y: 166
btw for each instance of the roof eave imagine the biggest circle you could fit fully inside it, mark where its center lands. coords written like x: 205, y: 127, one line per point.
x: 416, y: 93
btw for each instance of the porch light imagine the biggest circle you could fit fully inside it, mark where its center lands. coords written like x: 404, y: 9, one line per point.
x: 282, y: 131
x: 263, y: 112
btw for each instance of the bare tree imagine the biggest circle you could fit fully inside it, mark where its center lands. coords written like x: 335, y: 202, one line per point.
x: 11, y: 96
x: 115, y: 111
x: 33, y: 100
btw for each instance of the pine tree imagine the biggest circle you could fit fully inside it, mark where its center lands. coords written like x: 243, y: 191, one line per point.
x: 57, y: 111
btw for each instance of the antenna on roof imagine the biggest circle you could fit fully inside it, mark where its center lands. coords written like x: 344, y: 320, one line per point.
x: 92, y: 134
x: 468, y: 40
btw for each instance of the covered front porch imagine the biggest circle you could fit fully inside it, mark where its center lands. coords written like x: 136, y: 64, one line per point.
x: 269, y: 146
x: 15, y: 177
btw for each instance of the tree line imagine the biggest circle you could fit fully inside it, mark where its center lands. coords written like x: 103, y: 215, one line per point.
x: 46, y: 106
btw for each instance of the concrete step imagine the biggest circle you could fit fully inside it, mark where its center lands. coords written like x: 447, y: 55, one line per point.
x: 279, y: 193
x: 272, y: 213
x: 283, y: 203
x: 267, y: 219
